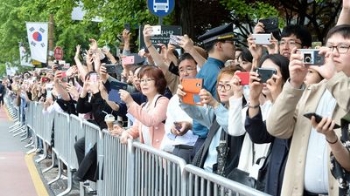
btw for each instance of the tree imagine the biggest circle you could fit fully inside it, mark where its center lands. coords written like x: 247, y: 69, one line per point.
x: 317, y: 16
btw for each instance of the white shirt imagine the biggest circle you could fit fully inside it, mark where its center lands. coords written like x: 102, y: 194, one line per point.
x: 175, y: 113
x: 260, y: 150
x: 316, y: 165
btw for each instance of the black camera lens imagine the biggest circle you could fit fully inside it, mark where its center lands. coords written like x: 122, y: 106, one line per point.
x: 307, y: 58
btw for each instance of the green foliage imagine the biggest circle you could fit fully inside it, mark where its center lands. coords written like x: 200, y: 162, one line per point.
x: 254, y: 10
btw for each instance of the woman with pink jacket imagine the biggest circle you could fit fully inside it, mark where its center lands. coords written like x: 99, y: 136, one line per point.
x: 149, y: 116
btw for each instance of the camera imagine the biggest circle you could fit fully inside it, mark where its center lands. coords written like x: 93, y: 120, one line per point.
x: 312, y: 57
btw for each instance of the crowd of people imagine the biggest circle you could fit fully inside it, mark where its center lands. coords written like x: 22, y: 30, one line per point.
x: 247, y: 116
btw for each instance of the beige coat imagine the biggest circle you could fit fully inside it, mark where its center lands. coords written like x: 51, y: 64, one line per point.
x: 287, y: 120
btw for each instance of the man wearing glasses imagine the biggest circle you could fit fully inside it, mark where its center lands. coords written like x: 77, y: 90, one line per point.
x: 294, y: 36
x: 307, y: 169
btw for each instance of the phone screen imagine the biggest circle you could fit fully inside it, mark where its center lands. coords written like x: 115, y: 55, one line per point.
x: 265, y: 74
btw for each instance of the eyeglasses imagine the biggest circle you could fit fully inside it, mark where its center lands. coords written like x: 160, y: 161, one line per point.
x: 187, y: 69
x: 342, y: 49
x: 146, y: 80
x: 225, y: 87
x: 289, y: 42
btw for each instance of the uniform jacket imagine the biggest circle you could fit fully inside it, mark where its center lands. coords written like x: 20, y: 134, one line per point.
x: 286, y: 121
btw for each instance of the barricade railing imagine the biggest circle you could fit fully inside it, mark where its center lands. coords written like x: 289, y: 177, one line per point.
x: 61, y: 135
x: 113, y: 158
x: 134, y: 169
x: 76, y: 132
x: 92, y: 132
x: 200, y: 182
x: 156, y: 172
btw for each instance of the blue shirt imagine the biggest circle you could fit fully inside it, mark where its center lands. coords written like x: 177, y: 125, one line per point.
x: 209, y: 72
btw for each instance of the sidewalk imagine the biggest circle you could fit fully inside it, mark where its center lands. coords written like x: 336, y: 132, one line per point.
x: 20, y: 174
x: 15, y: 176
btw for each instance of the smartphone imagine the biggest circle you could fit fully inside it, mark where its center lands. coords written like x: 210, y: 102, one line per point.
x: 128, y: 60
x: 244, y: 76
x: 156, y: 30
x: 265, y: 73
x: 118, y: 85
x: 262, y: 39
x: 174, y: 39
x: 111, y: 68
x: 177, y: 126
x: 127, y: 26
x: 63, y: 74
x: 71, y: 81
x: 191, y: 86
x: 113, y: 94
x: 270, y: 24
x: 93, y: 77
x: 318, y: 118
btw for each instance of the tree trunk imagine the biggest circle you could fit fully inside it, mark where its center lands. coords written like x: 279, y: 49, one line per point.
x: 186, y: 17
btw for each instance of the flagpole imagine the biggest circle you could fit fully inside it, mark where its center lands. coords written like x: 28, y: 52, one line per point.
x: 51, y: 30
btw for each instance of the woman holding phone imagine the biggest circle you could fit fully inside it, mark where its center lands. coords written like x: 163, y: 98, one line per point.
x: 251, y: 119
x: 215, y: 116
x: 149, y: 116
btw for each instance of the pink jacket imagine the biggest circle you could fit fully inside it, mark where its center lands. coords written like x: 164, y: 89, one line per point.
x: 154, y: 119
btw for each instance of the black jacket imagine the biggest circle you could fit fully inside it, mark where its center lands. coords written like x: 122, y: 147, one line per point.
x: 256, y: 128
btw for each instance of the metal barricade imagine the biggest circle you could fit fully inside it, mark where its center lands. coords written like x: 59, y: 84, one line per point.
x: 92, y: 132
x: 135, y: 169
x: 61, y: 135
x: 201, y: 182
x: 155, y: 172
x: 76, y: 132
x: 113, y: 166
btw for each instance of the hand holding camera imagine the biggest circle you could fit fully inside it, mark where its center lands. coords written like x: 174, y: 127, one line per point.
x: 255, y: 86
x: 327, y: 70
x: 207, y: 98
x: 297, y: 69
x: 237, y: 82
x: 186, y: 43
x: 312, y: 57
x: 255, y: 50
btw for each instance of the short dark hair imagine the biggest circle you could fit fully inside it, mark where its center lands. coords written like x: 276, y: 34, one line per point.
x: 343, y: 30
x: 245, y: 55
x: 185, y: 56
x: 300, y: 32
x: 157, y: 75
x: 281, y: 61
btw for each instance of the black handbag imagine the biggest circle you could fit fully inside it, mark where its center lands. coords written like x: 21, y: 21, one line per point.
x: 244, y: 178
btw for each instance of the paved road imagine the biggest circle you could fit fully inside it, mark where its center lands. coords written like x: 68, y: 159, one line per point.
x: 15, y: 176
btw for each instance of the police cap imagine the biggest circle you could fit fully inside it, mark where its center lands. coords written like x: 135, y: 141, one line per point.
x: 224, y: 32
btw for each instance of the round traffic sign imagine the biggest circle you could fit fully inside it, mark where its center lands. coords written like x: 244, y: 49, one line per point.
x: 161, y: 8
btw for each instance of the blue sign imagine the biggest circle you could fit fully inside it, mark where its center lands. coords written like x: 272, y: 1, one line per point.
x: 161, y: 8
